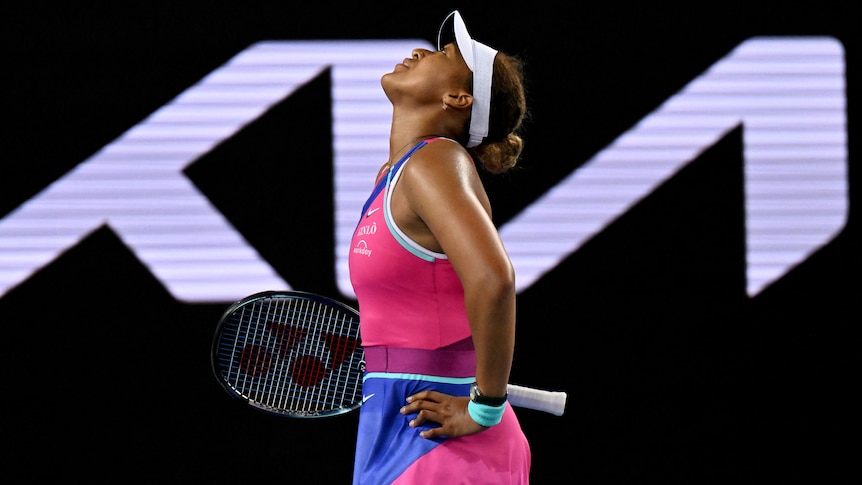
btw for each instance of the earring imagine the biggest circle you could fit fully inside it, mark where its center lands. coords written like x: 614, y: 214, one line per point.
x: 445, y: 106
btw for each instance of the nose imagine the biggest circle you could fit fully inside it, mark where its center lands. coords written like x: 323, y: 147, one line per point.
x: 417, y: 53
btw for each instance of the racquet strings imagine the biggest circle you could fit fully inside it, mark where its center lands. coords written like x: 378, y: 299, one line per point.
x: 292, y: 355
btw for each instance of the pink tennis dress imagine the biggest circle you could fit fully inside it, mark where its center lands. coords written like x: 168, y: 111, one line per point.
x: 416, y: 336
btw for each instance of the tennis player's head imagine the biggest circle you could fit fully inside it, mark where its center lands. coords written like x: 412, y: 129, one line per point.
x: 478, y: 88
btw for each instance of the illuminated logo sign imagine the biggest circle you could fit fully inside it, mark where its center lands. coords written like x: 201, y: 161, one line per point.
x: 786, y: 93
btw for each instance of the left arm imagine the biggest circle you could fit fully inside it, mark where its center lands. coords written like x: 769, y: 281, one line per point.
x: 445, y: 193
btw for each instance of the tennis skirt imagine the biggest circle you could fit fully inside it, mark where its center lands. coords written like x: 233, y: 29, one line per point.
x: 390, y: 452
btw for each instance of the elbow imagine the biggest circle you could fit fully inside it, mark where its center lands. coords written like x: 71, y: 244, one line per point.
x: 497, y: 283
x: 504, y: 282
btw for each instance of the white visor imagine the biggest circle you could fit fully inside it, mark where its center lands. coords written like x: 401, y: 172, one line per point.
x: 480, y: 59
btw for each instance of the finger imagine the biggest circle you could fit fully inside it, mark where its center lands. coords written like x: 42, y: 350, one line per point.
x: 433, y: 396
x: 432, y: 433
x: 423, y: 416
x: 417, y: 405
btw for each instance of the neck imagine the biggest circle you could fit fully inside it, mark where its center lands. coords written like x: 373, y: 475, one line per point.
x: 409, y: 126
x: 399, y: 146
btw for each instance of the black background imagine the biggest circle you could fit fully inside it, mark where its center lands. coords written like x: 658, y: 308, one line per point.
x: 674, y: 374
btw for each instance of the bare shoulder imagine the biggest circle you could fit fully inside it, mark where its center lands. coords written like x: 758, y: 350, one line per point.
x: 442, y: 178
x: 441, y: 158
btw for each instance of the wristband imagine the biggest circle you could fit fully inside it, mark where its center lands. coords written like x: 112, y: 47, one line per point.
x: 484, y: 414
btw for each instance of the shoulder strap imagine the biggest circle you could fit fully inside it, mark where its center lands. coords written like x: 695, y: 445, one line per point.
x: 382, y: 182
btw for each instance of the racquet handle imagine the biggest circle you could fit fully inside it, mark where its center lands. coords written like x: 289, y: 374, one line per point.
x: 553, y: 402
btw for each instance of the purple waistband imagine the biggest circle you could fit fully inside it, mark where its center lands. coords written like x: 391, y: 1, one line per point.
x: 442, y: 362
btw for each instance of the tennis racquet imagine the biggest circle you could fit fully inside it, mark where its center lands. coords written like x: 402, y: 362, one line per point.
x: 299, y: 355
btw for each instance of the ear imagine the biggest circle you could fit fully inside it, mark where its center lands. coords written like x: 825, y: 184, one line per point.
x: 458, y: 99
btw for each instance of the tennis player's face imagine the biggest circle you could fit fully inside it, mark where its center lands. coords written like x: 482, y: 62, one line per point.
x: 427, y: 74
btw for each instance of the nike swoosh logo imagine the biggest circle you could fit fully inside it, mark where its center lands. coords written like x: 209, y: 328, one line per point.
x: 372, y: 211
x: 365, y: 398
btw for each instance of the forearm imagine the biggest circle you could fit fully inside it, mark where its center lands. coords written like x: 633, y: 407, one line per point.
x: 491, y: 310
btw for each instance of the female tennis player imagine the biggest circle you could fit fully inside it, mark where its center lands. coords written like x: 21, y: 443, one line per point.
x: 433, y: 281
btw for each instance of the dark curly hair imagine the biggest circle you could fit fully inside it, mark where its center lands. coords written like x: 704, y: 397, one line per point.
x: 501, y: 149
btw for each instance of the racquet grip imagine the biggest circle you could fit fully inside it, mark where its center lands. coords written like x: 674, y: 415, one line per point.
x: 553, y: 402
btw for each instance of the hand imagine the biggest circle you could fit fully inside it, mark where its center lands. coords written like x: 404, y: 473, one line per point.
x: 448, y: 411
